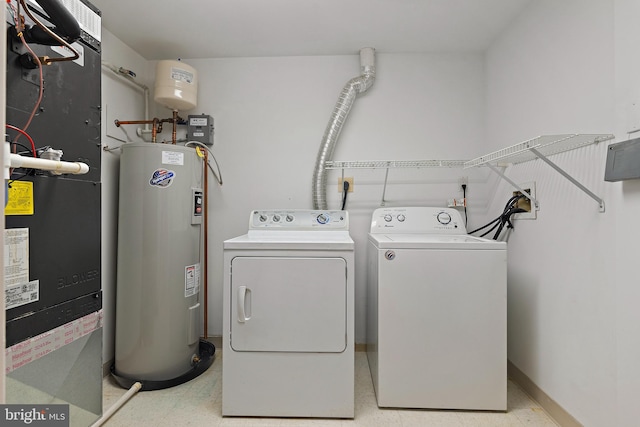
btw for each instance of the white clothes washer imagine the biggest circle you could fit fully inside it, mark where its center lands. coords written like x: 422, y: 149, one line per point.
x: 288, y: 328
x: 436, y: 312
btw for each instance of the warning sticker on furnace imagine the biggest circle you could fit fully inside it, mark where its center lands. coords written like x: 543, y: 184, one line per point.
x: 162, y: 178
x: 21, y: 294
x: 16, y: 256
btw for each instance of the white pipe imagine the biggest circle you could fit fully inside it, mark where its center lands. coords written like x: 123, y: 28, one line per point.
x: 125, y: 397
x: 145, y: 89
x: 75, y: 168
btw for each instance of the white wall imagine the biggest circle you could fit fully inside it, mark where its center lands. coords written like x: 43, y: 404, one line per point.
x: 123, y: 101
x: 572, y: 67
x: 562, y: 67
x: 627, y: 195
x: 270, y: 115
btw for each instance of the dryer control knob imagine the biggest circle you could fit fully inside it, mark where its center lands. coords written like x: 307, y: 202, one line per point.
x: 444, y: 218
x: 388, y: 218
x: 276, y: 218
x: 401, y: 218
x: 289, y: 218
x: 262, y: 218
x: 323, y: 218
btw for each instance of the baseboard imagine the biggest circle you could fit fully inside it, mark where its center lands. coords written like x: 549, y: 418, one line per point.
x: 216, y: 341
x: 106, y: 368
x: 555, y: 411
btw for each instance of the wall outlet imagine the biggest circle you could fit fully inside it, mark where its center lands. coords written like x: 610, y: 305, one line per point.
x: 463, y: 180
x: 341, y: 187
x: 526, y: 204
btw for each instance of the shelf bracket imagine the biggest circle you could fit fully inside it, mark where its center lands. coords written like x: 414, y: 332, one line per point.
x: 510, y: 181
x: 384, y: 187
x: 569, y: 177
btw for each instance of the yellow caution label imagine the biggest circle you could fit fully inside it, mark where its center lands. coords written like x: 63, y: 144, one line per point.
x: 20, y: 198
x: 200, y: 152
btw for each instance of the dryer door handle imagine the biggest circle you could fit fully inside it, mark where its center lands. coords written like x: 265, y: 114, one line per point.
x: 244, y: 304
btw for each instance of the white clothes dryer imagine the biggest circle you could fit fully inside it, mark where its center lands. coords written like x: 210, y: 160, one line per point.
x: 436, y: 312
x: 288, y: 328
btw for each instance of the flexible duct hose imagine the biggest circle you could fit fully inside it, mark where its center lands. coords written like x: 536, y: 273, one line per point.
x: 346, y: 99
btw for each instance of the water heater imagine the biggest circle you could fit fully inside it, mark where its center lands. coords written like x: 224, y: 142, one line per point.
x: 158, y: 281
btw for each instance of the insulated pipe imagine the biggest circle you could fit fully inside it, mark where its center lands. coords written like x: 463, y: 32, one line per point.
x: 124, y: 399
x: 340, y: 113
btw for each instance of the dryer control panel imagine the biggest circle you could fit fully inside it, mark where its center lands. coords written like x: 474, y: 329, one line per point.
x: 295, y: 219
x: 417, y: 220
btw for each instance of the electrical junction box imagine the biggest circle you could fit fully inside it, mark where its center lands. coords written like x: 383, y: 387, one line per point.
x: 623, y: 161
x: 200, y: 129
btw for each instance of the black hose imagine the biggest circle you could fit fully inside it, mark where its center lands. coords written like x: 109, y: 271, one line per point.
x: 504, y: 219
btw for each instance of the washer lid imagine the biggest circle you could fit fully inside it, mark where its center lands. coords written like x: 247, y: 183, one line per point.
x: 434, y: 241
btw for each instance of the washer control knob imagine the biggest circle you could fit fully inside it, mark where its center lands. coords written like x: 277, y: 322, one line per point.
x: 276, y: 218
x: 444, y: 218
x: 263, y: 218
x: 388, y: 218
x: 289, y: 218
x: 401, y: 218
x: 323, y: 218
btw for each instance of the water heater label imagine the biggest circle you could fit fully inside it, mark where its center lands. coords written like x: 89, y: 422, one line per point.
x: 191, y: 280
x: 21, y: 294
x: 172, y: 158
x: 162, y: 178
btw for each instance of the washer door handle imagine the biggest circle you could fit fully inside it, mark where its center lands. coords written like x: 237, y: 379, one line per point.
x: 244, y: 296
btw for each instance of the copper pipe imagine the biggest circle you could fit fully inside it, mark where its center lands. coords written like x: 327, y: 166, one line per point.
x: 45, y: 59
x: 157, y: 126
x: 119, y: 123
x: 154, y: 130
x: 175, y: 125
x: 206, y: 243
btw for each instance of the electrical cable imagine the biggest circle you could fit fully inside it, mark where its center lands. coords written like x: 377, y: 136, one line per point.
x: 27, y: 149
x: 18, y: 26
x: 218, y: 176
x: 345, y: 191
x: 464, y: 200
x: 33, y: 145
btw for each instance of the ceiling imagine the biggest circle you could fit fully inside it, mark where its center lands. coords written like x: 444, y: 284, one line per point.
x: 165, y: 29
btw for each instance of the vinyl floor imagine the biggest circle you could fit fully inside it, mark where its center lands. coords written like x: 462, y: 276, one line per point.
x: 199, y: 403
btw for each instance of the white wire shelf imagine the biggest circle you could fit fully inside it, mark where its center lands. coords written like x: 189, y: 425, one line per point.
x: 548, y: 145
x: 392, y: 164
x: 540, y: 148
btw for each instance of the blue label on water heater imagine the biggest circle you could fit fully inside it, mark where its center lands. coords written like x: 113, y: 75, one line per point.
x: 162, y: 178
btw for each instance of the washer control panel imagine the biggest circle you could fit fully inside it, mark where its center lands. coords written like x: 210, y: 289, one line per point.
x: 417, y: 220
x: 299, y: 220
